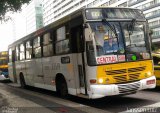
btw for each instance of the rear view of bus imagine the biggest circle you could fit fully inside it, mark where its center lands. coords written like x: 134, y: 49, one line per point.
x: 4, y: 64
x: 118, y: 52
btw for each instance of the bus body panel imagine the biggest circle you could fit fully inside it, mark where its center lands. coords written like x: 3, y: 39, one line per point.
x: 42, y: 72
x: 30, y: 69
x: 20, y: 67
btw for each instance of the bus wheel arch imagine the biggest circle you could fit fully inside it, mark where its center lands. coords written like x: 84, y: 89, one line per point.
x: 61, y: 85
x: 22, y: 80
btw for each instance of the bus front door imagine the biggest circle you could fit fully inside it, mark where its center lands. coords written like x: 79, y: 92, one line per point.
x: 77, y: 40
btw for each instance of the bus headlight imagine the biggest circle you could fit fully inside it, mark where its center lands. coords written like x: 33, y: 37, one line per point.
x: 148, y: 74
x: 100, y: 80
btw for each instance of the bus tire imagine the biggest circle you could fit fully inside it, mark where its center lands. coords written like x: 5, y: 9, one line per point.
x: 22, y: 81
x: 61, y: 88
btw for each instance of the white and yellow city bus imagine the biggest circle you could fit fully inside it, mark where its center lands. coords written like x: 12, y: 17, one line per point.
x: 91, y: 53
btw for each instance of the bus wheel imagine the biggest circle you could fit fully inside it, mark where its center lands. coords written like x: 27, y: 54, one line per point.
x: 22, y: 81
x: 62, y: 89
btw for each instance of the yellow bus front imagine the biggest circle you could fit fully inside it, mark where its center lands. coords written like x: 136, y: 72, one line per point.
x: 118, y: 53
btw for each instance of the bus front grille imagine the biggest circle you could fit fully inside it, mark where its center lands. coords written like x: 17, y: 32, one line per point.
x: 115, y: 72
x: 126, y: 78
x: 123, y: 71
x: 121, y: 78
x: 128, y: 88
x: 126, y: 75
x: 137, y: 69
x: 134, y: 76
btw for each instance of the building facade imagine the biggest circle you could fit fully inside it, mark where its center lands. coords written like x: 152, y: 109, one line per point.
x: 34, y: 16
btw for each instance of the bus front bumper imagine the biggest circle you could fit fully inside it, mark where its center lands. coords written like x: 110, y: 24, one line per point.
x: 99, y: 91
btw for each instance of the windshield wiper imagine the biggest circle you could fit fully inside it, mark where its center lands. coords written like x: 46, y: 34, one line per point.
x: 111, y: 27
x: 131, y: 26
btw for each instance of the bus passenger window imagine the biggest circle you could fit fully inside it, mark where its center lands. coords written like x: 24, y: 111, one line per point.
x: 36, y: 47
x: 17, y: 53
x: 47, y: 45
x: 62, y: 43
x: 28, y: 50
x: 22, y: 55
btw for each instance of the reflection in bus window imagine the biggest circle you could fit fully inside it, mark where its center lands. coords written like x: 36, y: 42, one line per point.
x: 17, y: 53
x: 62, y: 44
x: 28, y: 50
x: 47, y: 45
x: 37, y: 47
x: 22, y: 55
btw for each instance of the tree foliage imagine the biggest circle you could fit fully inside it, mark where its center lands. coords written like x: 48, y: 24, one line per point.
x: 10, y: 5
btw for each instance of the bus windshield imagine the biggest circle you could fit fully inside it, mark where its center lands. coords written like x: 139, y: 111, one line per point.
x: 118, y: 42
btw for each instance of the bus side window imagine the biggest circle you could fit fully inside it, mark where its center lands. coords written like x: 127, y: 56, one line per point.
x: 47, y: 45
x: 17, y: 56
x: 62, y: 44
x: 28, y: 50
x: 22, y: 52
x: 37, y: 47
